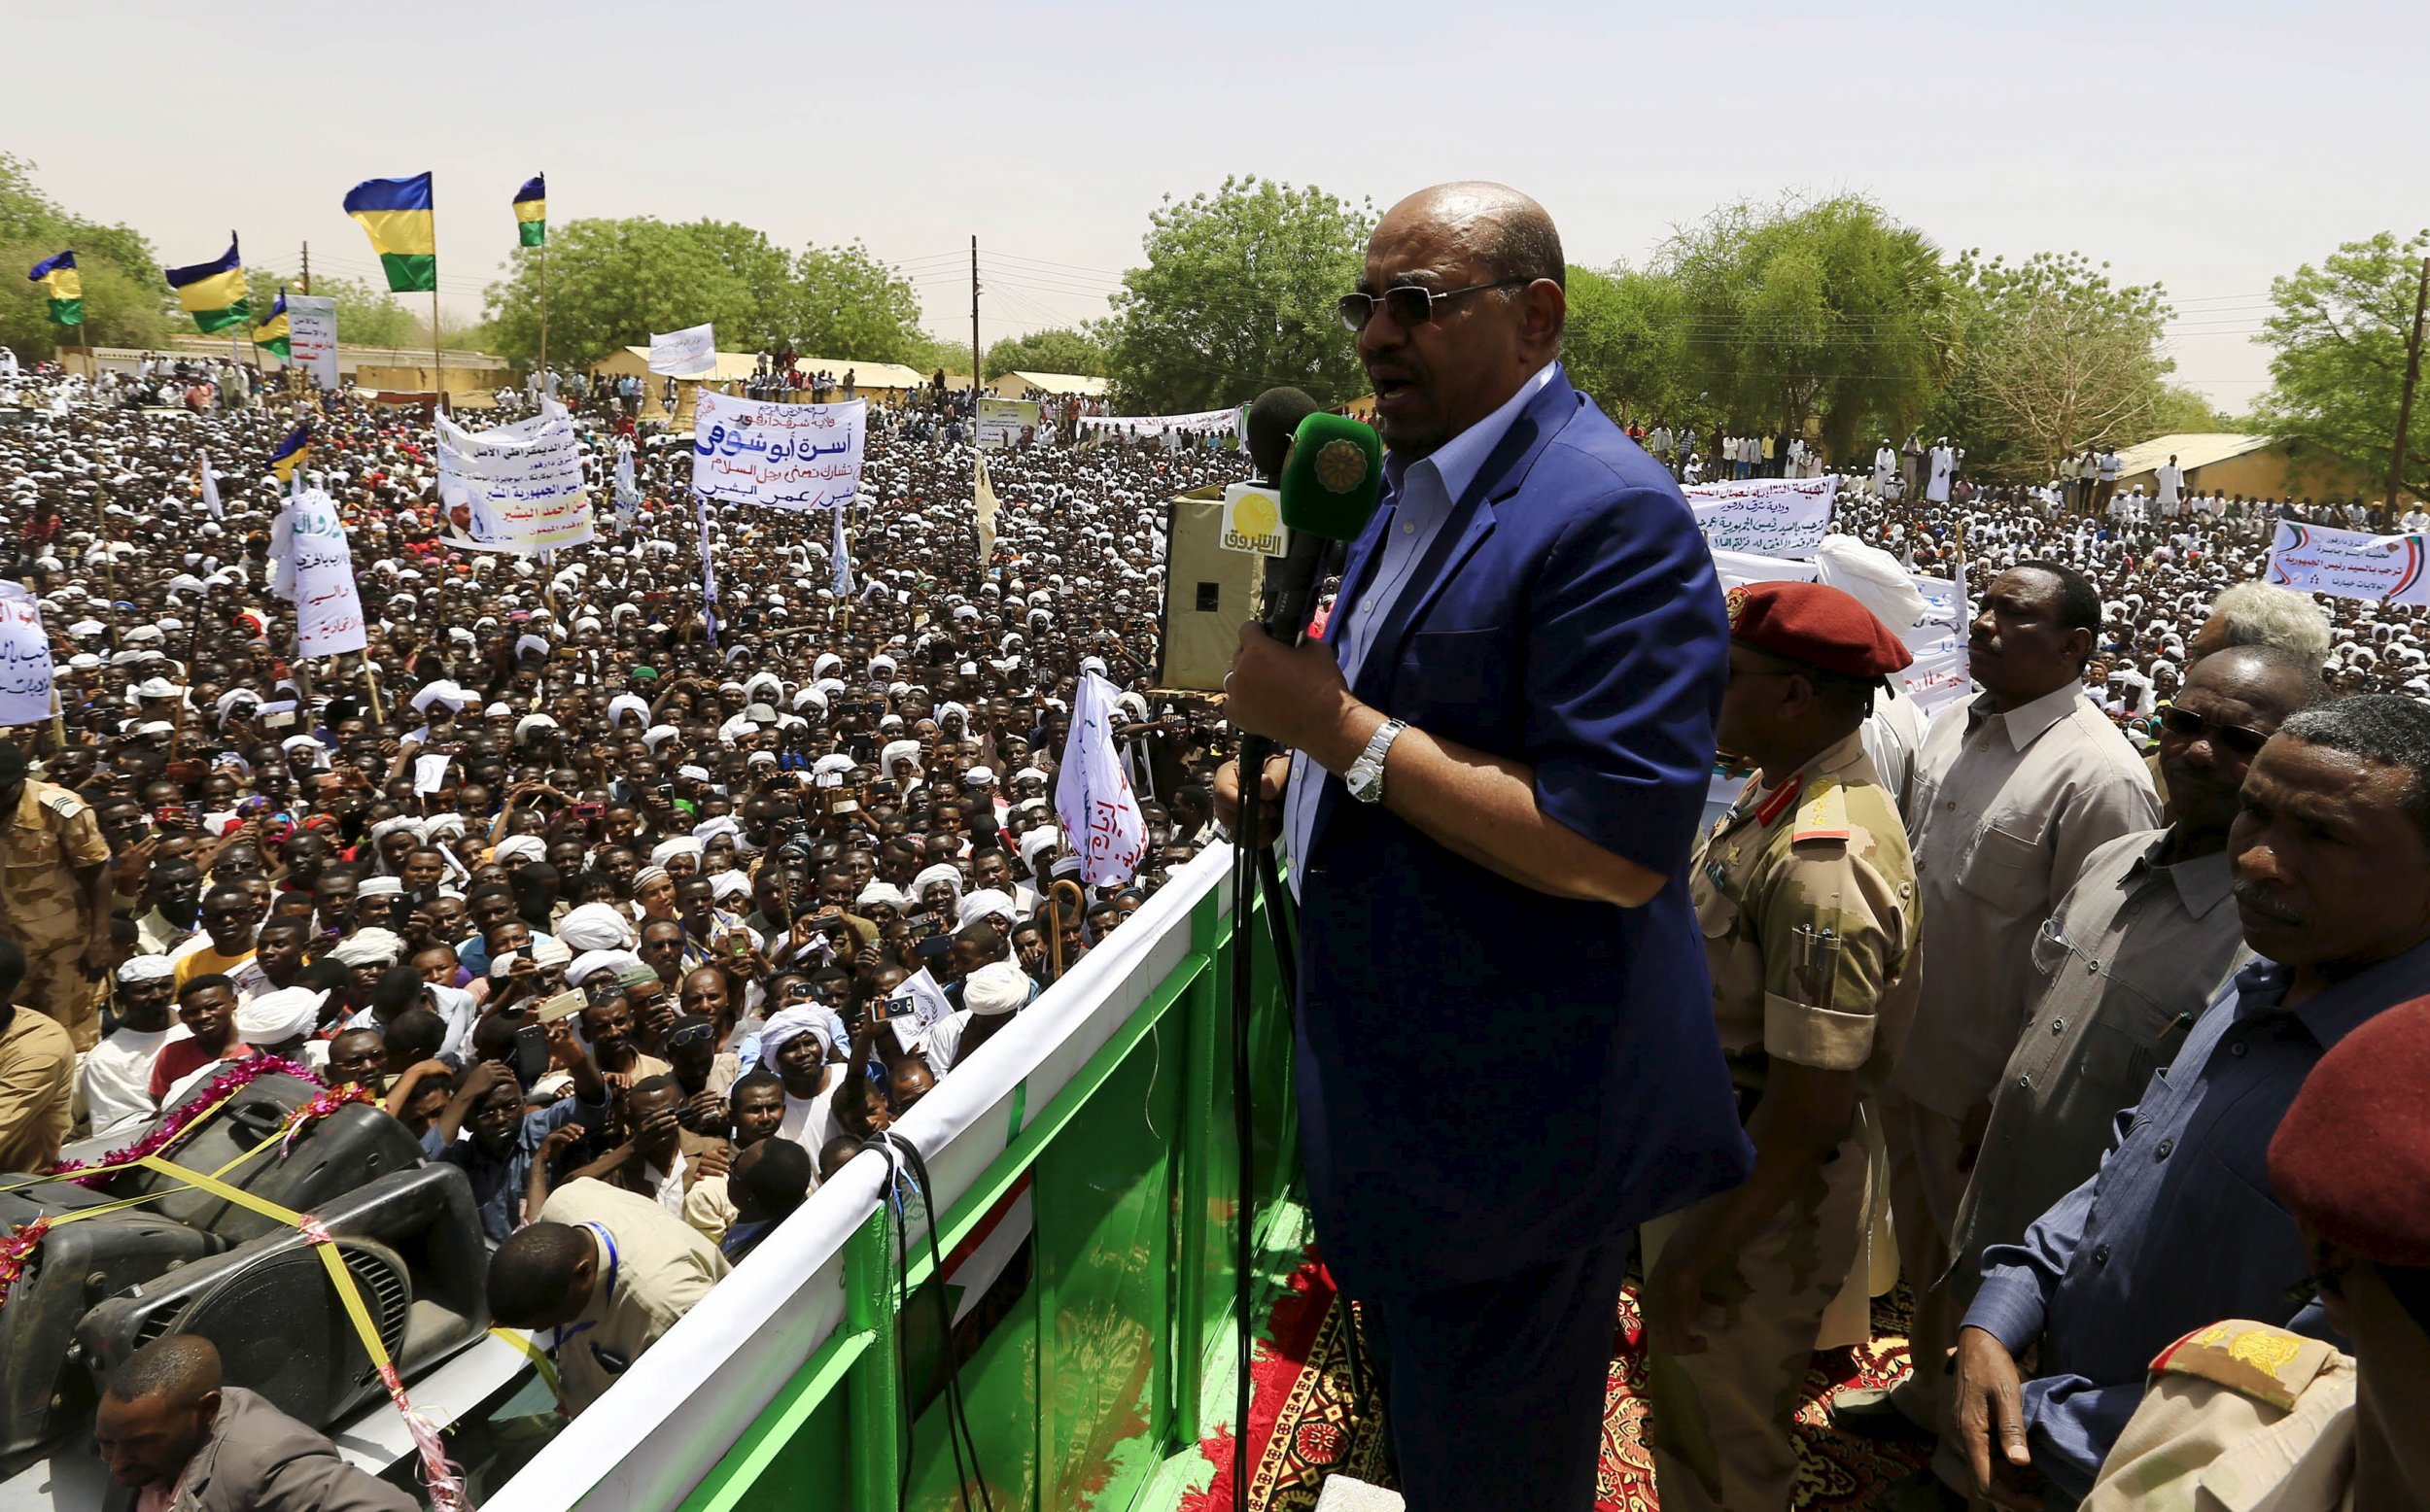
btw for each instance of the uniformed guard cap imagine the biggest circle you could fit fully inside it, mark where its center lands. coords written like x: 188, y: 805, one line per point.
x: 1823, y: 627
x: 2351, y: 1158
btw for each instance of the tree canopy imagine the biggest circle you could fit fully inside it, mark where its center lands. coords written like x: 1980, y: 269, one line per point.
x: 1059, y: 350
x: 1237, y: 294
x: 2341, y: 331
x: 612, y: 284
x: 2051, y: 356
x: 126, y: 298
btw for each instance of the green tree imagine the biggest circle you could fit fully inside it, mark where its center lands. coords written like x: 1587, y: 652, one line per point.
x: 2051, y: 356
x: 612, y: 284
x: 126, y: 298
x: 1059, y: 350
x: 2180, y: 411
x: 1798, y: 310
x: 1622, y: 344
x: 1238, y: 296
x: 2341, y: 331
x: 844, y: 305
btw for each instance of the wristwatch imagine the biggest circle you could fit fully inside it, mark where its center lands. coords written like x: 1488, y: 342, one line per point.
x: 1365, y: 776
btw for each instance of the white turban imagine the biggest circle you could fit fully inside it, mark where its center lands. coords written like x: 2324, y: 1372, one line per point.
x: 788, y: 1026
x: 596, y: 926
x: 997, y: 987
x: 591, y: 962
x: 369, y: 948
x: 941, y: 871
x: 526, y: 847
x: 726, y: 886
x: 987, y: 903
x: 280, y: 1016
x: 679, y: 846
x: 1873, y: 579
x: 881, y: 893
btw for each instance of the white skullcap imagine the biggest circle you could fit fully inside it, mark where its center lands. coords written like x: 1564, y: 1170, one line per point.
x: 147, y: 968
x: 379, y: 886
x: 881, y: 893
x: 549, y: 950
x: 529, y: 848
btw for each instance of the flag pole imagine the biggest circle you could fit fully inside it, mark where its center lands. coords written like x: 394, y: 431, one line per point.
x: 438, y: 364
x: 547, y: 390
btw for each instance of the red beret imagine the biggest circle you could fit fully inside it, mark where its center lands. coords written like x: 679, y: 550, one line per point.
x: 2351, y: 1158
x: 1820, y: 626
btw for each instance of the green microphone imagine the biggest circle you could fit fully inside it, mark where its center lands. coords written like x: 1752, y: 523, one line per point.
x: 1329, y: 487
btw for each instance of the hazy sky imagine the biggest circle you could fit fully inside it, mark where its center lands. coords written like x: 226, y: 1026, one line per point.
x: 2209, y: 147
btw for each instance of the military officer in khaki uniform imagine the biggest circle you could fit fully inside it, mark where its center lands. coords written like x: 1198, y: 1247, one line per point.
x: 55, y: 896
x: 1807, y: 900
x: 2240, y: 1416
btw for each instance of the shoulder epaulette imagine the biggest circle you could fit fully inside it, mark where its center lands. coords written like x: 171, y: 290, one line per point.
x: 2252, y: 1360
x: 61, y: 802
x: 1821, y: 813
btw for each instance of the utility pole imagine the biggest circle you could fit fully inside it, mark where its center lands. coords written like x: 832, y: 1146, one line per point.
x: 307, y: 267
x: 2405, y: 404
x: 976, y: 364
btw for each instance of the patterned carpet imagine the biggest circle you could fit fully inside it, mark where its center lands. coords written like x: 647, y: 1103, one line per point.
x: 1303, y: 1427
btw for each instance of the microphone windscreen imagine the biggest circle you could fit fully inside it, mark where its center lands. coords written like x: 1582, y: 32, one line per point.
x: 1329, y: 485
x: 1275, y: 417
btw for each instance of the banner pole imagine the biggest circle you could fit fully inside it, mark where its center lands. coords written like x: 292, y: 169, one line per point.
x: 438, y: 364
x: 547, y: 388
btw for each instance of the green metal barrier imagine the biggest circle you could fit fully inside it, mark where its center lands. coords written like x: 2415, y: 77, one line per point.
x: 1082, y: 1354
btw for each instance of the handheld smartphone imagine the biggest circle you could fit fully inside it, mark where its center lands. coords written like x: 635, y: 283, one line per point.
x: 531, y: 1054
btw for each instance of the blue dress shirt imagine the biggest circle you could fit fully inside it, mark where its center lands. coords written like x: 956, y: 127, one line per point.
x: 1417, y: 500
x: 2179, y: 1228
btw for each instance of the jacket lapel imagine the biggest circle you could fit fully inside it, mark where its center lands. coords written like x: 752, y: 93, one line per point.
x: 1471, y: 520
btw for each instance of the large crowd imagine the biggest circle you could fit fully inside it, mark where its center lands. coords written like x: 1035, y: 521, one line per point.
x: 629, y: 904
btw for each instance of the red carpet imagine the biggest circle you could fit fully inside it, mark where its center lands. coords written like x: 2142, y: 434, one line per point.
x: 1302, y: 1426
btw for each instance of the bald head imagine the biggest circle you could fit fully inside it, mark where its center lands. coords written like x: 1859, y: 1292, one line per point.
x: 1491, y: 261
x: 1511, y: 232
x: 181, y: 1368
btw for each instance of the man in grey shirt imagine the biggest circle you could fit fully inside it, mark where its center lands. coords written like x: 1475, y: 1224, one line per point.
x: 2011, y: 793
x: 2137, y: 950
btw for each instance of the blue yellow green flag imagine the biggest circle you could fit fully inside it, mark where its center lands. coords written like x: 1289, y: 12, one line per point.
x: 214, y: 292
x: 272, y: 335
x: 65, y: 285
x: 292, y: 452
x: 532, y: 210
x: 396, y: 214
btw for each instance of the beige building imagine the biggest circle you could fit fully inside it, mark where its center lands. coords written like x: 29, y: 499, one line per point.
x: 2246, y: 466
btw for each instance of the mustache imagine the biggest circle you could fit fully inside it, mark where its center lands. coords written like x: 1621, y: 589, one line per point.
x: 2261, y: 900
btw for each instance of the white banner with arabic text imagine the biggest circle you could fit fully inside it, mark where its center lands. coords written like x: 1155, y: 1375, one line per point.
x: 24, y: 658
x: 2348, y: 563
x: 517, y: 488
x: 784, y: 456
x: 1769, y: 517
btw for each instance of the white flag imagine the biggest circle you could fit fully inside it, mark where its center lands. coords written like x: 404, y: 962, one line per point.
x: 210, y: 487
x: 683, y: 354
x: 842, y: 554
x: 1099, y: 813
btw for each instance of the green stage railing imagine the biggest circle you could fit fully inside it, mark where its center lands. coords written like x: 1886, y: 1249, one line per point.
x: 1081, y: 1353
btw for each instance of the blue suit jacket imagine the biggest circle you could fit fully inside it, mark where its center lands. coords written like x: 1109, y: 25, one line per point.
x: 1490, y: 1077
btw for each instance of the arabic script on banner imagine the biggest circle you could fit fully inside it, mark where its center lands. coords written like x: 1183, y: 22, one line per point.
x: 24, y: 659
x: 312, y: 337
x: 518, y: 488
x: 683, y: 354
x: 309, y: 540
x: 1770, y: 517
x: 784, y: 456
x: 2348, y: 563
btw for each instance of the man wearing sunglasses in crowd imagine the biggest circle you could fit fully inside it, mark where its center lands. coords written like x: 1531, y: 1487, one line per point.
x: 2137, y: 950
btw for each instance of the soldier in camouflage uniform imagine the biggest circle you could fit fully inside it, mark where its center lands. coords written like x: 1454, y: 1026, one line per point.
x: 1807, y: 898
x: 55, y: 896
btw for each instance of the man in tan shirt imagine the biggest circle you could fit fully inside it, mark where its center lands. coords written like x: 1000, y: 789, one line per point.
x: 599, y: 1276
x: 55, y: 896
x: 2012, y: 792
x: 37, y: 1072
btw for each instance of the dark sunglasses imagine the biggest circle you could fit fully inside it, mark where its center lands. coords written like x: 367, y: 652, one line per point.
x: 2236, y: 739
x: 1407, y: 303
x: 691, y: 1034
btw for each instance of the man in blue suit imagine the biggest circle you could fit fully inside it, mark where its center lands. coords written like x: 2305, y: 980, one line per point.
x: 1507, y: 1054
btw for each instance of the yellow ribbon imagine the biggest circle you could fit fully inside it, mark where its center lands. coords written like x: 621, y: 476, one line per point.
x: 538, y: 1358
